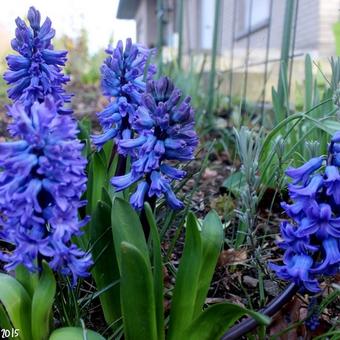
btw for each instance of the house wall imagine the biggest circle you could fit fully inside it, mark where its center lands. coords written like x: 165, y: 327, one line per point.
x: 313, y: 35
x: 313, y: 32
x: 191, y: 27
x: 146, y: 23
x: 329, y: 14
x: 141, y: 20
x: 151, y: 23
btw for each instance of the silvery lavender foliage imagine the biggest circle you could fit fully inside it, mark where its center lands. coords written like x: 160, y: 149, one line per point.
x: 41, y: 181
x: 123, y: 82
x: 248, y: 145
x: 312, y: 240
x: 36, y: 71
x: 164, y: 124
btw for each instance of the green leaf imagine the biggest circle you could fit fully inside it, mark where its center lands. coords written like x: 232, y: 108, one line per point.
x: 42, y: 303
x: 74, y: 333
x: 212, y: 237
x: 97, y: 180
x: 278, y: 110
x: 5, y: 323
x: 106, y: 198
x: 17, y: 303
x: 267, y: 145
x: 308, y: 83
x: 108, y: 150
x: 329, y: 125
x: 85, y: 128
x: 137, y: 295
x: 126, y: 227
x: 157, y: 271
x: 235, y: 183
x: 84, y: 134
x: 185, y: 292
x: 28, y: 279
x: 217, y: 319
x: 105, y: 270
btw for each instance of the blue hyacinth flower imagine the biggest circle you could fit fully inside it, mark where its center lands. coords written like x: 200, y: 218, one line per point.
x: 41, y: 184
x: 164, y: 132
x: 123, y: 80
x: 297, y: 268
x: 303, y: 173
x: 36, y: 71
x: 311, y: 240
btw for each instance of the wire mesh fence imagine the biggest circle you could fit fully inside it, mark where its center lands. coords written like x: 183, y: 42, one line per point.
x: 246, y: 46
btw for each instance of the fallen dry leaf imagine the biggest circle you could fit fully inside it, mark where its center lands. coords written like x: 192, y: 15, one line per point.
x: 209, y: 173
x: 210, y: 301
x: 232, y: 256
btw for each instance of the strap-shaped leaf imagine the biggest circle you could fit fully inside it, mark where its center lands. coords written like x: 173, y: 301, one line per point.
x: 42, y: 303
x: 137, y: 295
x: 96, y: 181
x: 106, y: 198
x: 74, y: 333
x: 84, y: 127
x: 5, y: 323
x: 105, y: 270
x: 185, y: 292
x: 17, y: 303
x: 308, y: 83
x: 212, y: 240
x: 157, y: 271
x: 217, y: 319
x: 27, y: 279
x: 126, y: 227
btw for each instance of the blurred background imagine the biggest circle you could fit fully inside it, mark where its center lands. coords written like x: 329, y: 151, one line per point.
x: 226, y: 53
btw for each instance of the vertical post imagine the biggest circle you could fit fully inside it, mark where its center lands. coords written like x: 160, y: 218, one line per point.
x: 265, y: 78
x: 212, y: 76
x: 232, y: 52
x: 180, y: 11
x: 245, y: 83
x: 160, y: 33
x: 285, y: 49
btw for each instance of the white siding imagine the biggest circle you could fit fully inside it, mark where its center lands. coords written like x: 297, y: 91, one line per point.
x: 329, y: 14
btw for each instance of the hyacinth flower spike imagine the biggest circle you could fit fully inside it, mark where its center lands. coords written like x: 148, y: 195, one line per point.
x: 311, y: 241
x: 123, y: 80
x: 164, y: 123
x: 36, y: 71
x: 41, y: 182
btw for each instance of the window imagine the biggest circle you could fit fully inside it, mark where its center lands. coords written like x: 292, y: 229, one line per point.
x: 207, y: 23
x: 252, y: 16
